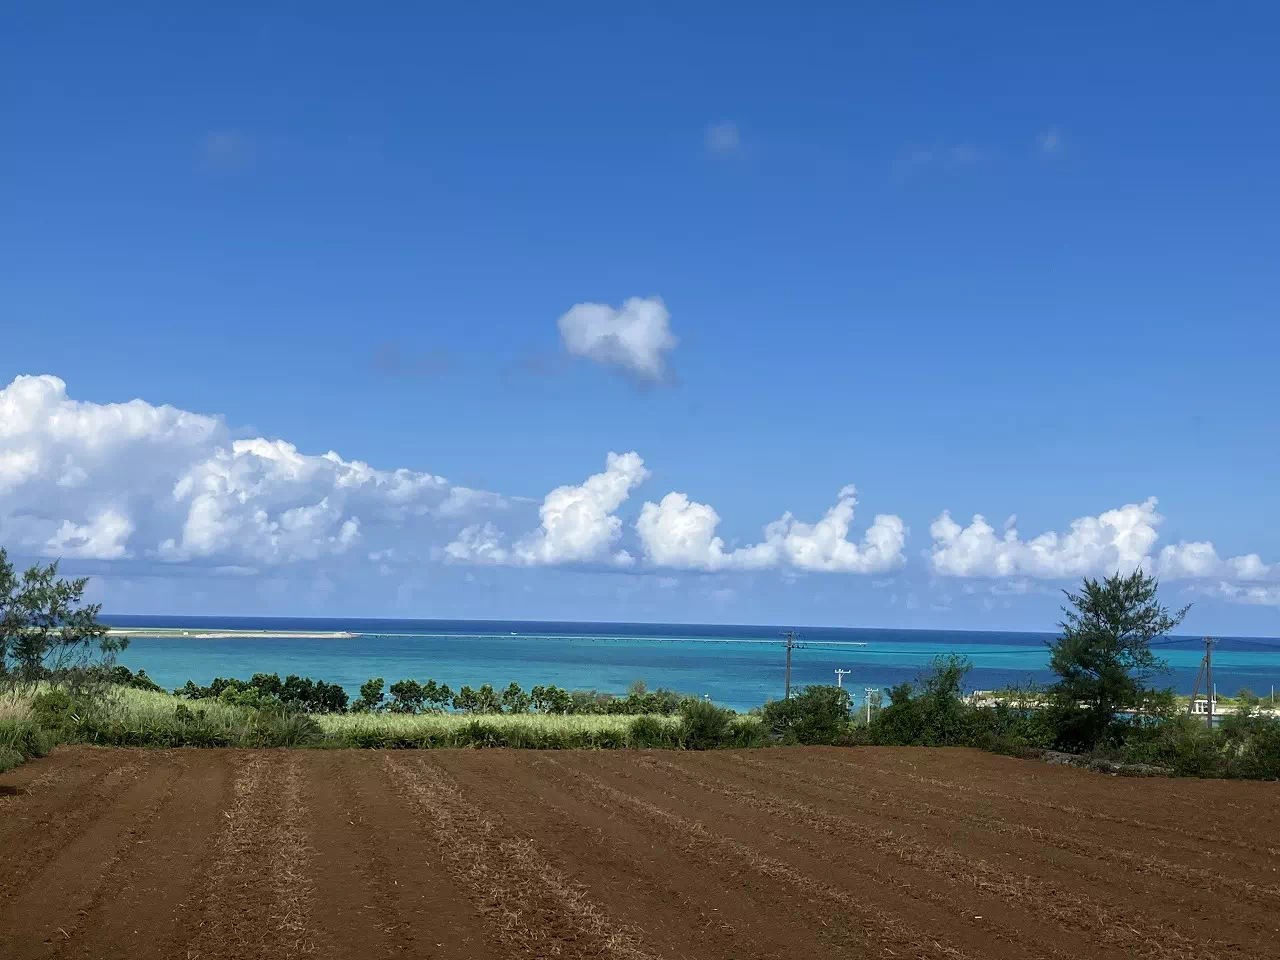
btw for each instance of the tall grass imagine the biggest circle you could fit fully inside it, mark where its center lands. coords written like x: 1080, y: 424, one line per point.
x: 141, y: 718
x: 21, y: 737
x: 532, y: 730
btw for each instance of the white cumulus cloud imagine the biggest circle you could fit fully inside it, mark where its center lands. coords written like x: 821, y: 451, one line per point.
x: 679, y: 532
x: 578, y: 523
x: 636, y: 336
x: 102, y: 538
x: 1120, y: 540
x: 118, y: 480
x: 1267, y: 596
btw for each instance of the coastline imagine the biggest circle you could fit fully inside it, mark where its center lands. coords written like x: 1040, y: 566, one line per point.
x: 178, y: 633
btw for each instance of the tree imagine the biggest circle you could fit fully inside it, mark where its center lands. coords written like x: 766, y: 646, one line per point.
x: 484, y: 700
x: 407, y: 696
x: 487, y: 699
x: 1103, y: 658
x: 438, y: 695
x: 47, y: 632
x: 370, y: 696
x: 268, y: 683
x: 1247, y: 697
x: 551, y: 699
x: 515, y: 699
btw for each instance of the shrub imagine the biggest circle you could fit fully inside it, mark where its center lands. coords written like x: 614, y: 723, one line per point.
x: 54, y: 710
x: 286, y: 728
x: 648, y: 731
x: 704, y: 725
x: 140, y: 681
x: 935, y: 716
x: 21, y: 737
x: 817, y: 714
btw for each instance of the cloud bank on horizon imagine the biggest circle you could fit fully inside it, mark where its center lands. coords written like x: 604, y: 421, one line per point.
x: 130, y: 482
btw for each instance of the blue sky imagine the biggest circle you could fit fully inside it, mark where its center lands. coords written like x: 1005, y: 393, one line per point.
x: 996, y: 261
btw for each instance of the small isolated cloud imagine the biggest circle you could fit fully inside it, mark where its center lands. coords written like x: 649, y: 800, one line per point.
x: 636, y: 336
x: 1051, y: 141
x: 393, y: 359
x: 722, y: 138
x: 224, y: 151
x: 578, y: 523
x: 679, y: 532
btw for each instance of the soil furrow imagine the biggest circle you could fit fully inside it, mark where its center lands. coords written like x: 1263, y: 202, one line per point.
x: 1084, y: 834
x: 381, y: 880
x: 1134, y: 934
x: 536, y: 910
x: 708, y: 909
x: 626, y: 855
x: 856, y: 924
x: 144, y: 906
x: 46, y: 830
x: 931, y: 901
x: 259, y: 891
x: 44, y: 915
x: 957, y: 775
x: 48, y: 783
x: 1101, y: 865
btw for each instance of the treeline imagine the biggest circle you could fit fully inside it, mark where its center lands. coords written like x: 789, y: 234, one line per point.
x: 266, y: 690
x: 1154, y: 736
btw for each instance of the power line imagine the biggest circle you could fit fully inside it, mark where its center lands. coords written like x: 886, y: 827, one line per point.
x: 1257, y: 643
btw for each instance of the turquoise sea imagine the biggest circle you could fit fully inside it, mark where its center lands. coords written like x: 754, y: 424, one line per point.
x: 738, y: 666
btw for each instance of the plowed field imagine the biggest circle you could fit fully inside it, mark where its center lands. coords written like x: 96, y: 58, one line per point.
x: 792, y: 853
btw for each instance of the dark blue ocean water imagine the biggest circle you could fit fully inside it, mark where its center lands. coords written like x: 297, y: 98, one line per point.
x: 736, y: 665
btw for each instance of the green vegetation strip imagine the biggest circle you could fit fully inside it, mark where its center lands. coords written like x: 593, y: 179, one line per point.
x: 59, y: 683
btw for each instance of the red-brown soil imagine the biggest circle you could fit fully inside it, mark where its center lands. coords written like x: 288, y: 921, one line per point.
x: 631, y: 855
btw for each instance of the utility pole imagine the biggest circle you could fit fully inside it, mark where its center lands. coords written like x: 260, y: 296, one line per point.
x: 793, y: 640
x: 840, y: 675
x: 868, y: 691
x: 1206, y: 671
